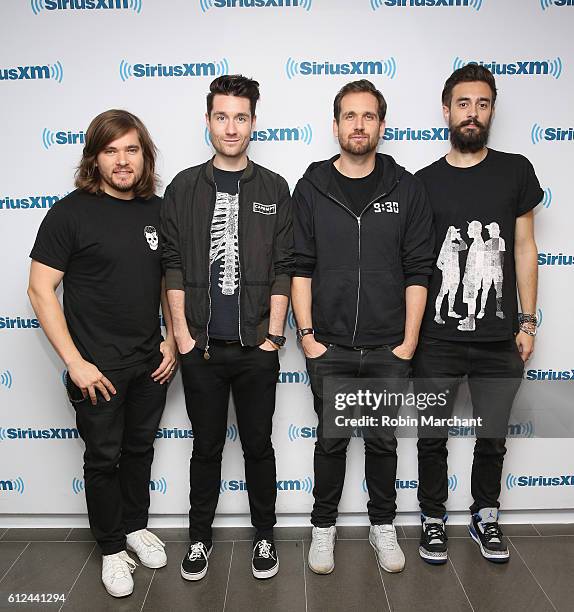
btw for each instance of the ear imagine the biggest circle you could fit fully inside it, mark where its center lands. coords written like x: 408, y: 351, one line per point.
x: 253, y: 122
x: 446, y: 113
x: 207, y: 120
x: 335, y: 129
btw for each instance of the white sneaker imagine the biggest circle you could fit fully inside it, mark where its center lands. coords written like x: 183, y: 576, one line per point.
x: 322, y: 552
x: 148, y: 547
x: 383, y: 538
x: 117, y: 573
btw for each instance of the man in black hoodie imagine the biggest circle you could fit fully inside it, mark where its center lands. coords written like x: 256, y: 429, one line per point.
x: 364, y: 251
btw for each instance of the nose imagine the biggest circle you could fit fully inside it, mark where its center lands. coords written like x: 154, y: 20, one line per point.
x: 122, y: 158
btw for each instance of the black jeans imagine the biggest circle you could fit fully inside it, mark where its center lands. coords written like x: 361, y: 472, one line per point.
x: 331, y: 453
x: 251, y: 374
x: 119, y: 437
x: 479, y: 361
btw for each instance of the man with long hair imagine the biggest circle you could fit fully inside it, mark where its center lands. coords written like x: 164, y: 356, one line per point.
x: 102, y: 241
x: 227, y: 231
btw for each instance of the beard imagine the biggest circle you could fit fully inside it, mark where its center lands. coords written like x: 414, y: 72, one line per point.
x: 470, y: 141
x: 357, y: 148
x: 229, y: 151
x: 123, y: 186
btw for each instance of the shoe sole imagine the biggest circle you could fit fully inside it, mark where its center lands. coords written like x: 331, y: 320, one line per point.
x: 320, y: 572
x: 145, y: 564
x: 264, y: 574
x: 493, y: 557
x: 198, y: 575
x: 390, y: 571
x: 433, y: 558
x: 118, y: 595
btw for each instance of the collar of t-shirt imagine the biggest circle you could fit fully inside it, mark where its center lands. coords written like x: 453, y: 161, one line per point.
x: 358, y: 192
x: 227, y: 181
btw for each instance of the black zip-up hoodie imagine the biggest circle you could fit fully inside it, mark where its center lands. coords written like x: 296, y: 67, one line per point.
x: 360, y: 266
x: 266, y: 261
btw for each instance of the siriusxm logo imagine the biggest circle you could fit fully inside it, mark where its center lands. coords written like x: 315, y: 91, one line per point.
x: 297, y: 377
x: 413, y: 484
x: 435, y: 133
x: 191, y: 69
x: 51, y: 138
x: 517, y: 68
x: 551, y: 134
x: 297, y: 484
x: 176, y: 433
x: 18, y: 323
x: 548, y: 259
x: 54, y: 72
x: 515, y: 430
x: 566, y: 480
x: 285, y: 134
x: 540, y: 316
x: 547, y: 198
x: 548, y: 3
x: 475, y: 4
x: 549, y: 374
x: 54, y: 433
x: 206, y: 5
x: 16, y: 485
x: 387, y: 67
x: 27, y: 203
x: 159, y: 486
x: 6, y: 379
x: 80, y: 5
x: 303, y: 433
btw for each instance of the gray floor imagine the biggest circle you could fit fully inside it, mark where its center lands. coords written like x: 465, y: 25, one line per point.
x: 539, y: 577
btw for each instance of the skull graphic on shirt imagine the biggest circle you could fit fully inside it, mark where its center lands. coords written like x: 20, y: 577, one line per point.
x: 151, y: 236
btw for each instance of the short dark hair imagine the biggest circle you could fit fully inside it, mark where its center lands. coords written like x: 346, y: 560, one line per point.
x: 467, y: 74
x: 359, y: 87
x: 105, y: 128
x: 234, y: 85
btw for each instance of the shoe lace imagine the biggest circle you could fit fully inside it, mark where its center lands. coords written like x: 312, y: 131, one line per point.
x: 264, y: 549
x: 387, y: 537
x: 151, y: 540
x: 434, y: 531
x: 322, y: 538
x: 122, y: 565
x: 196, y: 551
x: 492, y: 531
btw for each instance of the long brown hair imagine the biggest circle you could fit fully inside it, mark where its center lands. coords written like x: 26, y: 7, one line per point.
x: 105, y: 128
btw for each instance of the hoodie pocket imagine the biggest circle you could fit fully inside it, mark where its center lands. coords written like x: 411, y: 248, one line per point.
x: 335, y: 301
x: 382, y: 305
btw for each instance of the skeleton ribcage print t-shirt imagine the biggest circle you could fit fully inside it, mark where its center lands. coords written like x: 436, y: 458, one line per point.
x: 472, y: 292
x: 224, y: 257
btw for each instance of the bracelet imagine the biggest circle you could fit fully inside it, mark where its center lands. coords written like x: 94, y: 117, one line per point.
x: 528, y: 330
x: 527, y: 318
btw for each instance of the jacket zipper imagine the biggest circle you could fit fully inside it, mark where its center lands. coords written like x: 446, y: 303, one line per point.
x: 206, y: 354
x: 239, y: 258
x: 383, y: 195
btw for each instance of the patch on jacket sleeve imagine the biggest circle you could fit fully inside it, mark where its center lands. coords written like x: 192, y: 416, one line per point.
x: 264, y: 209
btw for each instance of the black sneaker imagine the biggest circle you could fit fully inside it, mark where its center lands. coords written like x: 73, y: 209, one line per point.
x: 265, y: 562
x: 484, y: 530
x: 194, y: 564
x: 433, y: 544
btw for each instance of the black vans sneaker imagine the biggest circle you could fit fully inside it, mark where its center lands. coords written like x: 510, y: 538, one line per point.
x: 265, y: 562
x: 194, y: 564
x: 484, y: 530
x: 433, y: 544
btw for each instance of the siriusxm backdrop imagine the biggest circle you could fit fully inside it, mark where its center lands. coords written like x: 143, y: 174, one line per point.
x: 64, y: 61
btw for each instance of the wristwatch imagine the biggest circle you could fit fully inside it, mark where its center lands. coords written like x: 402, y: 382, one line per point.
x: 304, y: 332
x: 278, y: 340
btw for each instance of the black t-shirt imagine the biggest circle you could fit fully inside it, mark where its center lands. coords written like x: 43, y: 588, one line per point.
x: 358, y: 192
x: 472, y: 293
x: 224, y: 257
x: 109, y: 252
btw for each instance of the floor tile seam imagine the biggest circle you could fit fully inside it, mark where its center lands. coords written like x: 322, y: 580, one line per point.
x: 148, y: 588
x: 14, y: 562
x: 78, y: 576
x: 228, y: 575
x: 533, y: 575
x: 461, y: 584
